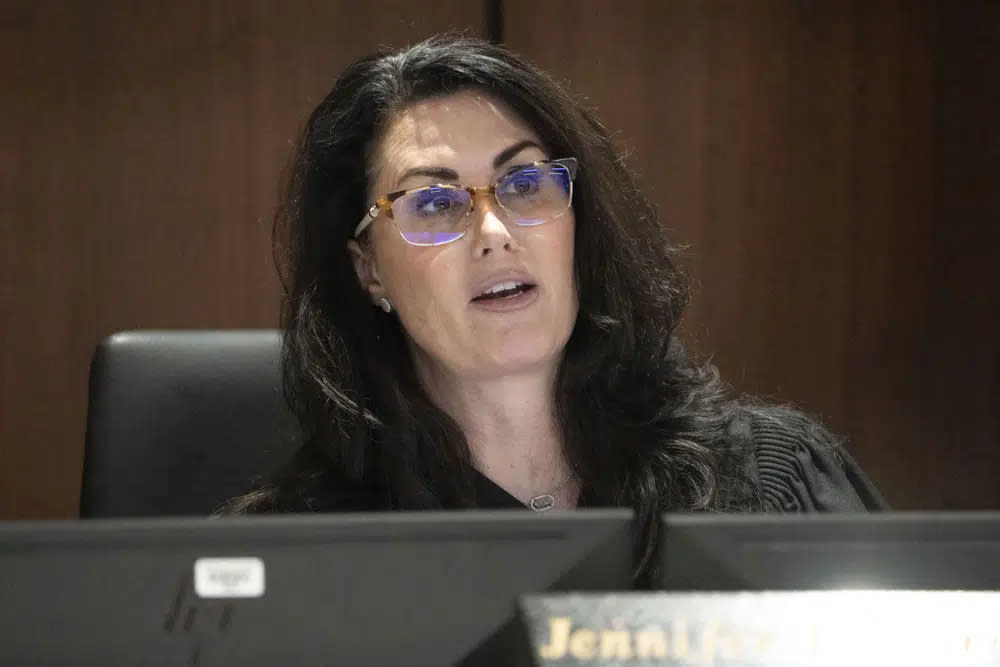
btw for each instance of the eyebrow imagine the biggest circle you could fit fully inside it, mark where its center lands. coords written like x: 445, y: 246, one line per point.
x: 441, y: 173
x: 445, y: 174
x: 506, y: 154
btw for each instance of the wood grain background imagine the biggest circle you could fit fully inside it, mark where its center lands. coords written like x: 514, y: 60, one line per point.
x: 832, y: 165
x: 142, y: 148
x: 834, y: 168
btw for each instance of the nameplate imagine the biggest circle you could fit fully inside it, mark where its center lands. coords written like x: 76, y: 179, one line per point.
x: 818, y: 629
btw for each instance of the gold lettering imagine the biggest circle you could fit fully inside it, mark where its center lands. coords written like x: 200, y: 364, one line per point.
x: 651, y: 644
x: 709, y: 637
x: 615, y: 644
x: 765, y: 643
x: 582, y: 644
x: 981, y: 643
x: 713, y: 642
x: 558, y: 636
x: 814, y: 646
x: 732, y: 645
x: 681, y: 644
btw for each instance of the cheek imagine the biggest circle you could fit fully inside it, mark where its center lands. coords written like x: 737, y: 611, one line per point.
x: 570, y: 242
x: 569, y: 290
x: 564, y: 253
x: 424, y: 284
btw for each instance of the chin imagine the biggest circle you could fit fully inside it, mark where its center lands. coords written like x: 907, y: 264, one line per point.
x: 518, y: 357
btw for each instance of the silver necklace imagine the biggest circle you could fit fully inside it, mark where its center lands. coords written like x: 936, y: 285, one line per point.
x: 547, y: 501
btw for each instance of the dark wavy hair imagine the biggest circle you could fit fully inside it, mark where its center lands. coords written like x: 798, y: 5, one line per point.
x: 644, y: 427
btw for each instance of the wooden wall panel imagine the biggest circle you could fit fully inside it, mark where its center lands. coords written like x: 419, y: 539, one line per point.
x: 960, y: 352
x: 141, y: 148
x: 833, y: 167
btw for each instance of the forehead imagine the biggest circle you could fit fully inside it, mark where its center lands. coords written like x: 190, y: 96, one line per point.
x: 462, y: 131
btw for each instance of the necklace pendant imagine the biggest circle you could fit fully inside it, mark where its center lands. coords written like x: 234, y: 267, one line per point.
x: 542, y: 503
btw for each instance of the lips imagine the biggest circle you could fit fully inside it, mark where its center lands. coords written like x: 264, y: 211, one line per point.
x: 503, y: 285
x: 505, y: 290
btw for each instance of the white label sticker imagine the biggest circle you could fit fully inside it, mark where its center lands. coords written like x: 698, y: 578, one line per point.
x: 229, y: 577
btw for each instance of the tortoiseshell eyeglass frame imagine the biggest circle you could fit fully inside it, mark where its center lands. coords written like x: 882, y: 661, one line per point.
x: 384, y: 204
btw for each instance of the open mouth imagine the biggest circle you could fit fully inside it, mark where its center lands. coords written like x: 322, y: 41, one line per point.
x: 505, y: 290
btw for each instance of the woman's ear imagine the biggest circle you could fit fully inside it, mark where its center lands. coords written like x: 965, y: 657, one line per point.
x: 366, y: 269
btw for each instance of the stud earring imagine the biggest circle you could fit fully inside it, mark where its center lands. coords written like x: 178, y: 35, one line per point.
x: 384, y: 304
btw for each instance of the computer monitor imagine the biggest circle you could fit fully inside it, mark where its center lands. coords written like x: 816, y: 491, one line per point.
x: 422, y: 588
x: 892, y: 550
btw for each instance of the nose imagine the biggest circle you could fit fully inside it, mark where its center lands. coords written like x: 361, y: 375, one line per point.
x: 491, y: 232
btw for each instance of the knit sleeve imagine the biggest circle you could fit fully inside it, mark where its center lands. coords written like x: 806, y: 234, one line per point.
x: 802, y: 467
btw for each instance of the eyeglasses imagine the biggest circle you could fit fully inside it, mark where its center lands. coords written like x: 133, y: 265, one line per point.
x: 530, y: 194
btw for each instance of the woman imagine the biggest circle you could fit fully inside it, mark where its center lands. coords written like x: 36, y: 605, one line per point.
x: 480, y: 312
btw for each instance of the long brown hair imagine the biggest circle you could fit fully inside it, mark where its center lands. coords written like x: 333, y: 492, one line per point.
x: 645, y: 428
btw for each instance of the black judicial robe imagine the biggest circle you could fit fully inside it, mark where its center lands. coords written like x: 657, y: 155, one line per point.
x: 798, y: 466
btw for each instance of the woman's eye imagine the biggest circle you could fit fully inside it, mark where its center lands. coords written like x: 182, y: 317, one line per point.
x: 435, y: 206
x: 522, y: 185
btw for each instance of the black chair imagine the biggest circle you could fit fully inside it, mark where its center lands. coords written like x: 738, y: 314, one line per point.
x: 179, y: 421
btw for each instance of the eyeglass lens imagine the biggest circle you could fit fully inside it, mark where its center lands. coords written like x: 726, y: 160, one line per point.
x: 531, y: 196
